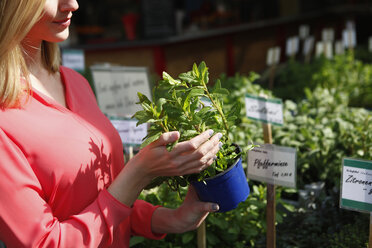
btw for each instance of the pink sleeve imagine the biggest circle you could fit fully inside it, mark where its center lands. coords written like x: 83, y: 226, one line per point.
x: 26, y: 220
x: 141, y: 220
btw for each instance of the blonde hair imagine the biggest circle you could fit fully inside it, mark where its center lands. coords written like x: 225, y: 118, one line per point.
x: 17, y: 17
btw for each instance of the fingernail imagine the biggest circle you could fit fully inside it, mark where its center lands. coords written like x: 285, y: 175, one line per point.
x: 215, y: 158
x: 210, y: 132
x: 219, y: 135
x: 215, y: 207
x: 220, y: 144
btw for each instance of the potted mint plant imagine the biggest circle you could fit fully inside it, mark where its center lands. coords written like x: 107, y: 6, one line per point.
x: 187, y: 105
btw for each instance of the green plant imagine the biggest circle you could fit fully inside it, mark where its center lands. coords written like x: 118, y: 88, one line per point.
x: 187, y: 105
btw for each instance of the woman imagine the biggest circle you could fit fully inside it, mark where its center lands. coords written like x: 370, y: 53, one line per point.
x: 64, y: 183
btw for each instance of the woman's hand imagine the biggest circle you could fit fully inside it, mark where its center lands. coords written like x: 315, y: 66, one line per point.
x: 186, y: 157
x: 155, y: 160
x: 187, y: 217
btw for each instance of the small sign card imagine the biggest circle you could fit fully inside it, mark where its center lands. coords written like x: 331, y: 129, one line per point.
x: 370, y: 44
x: 339, y: 47
x: 130, y: 134
x: 328, y: 34
x: 117, y: 86
x: 292, y: 46
x: 273, y: 56
x: 356, y: 186
x: 308, y: 45
x: 74, y: 59
x: 263, y: 109
x: 328, y: 49
x: 273, y: 164
x: 304, y: 31
x: 349, y: 38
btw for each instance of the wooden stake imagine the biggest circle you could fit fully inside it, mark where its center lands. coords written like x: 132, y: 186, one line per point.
x: 272, y: 77
x: 270, y: 197
x: 130, y: 152
x: 202, y: 236
x: 370, y: 231
x: 307, y: 57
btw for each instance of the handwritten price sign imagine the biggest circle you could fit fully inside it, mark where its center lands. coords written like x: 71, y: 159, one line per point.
x: 356, y: 187
x: 273, y: 164
x: 265, y: 110
x: 117, y: 86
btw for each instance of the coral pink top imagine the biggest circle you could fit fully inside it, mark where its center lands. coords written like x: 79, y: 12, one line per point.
x: 55, y: 166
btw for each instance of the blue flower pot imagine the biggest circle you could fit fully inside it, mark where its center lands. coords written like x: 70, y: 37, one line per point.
x: 227, y: 189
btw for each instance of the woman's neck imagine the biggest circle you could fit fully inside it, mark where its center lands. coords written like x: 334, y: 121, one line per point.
x: 32, y: 56
x: 41, y: 79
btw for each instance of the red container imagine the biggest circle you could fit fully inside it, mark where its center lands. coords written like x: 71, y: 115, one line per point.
x: 130, y: 25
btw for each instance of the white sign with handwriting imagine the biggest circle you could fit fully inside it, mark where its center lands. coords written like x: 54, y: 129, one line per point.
x: 265, y: 110
x: 273, y: 164
x: 356, y: 187
x: 130, y: 134
x: 116, y: 88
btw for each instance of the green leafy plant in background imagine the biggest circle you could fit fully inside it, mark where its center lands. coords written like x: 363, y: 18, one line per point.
x: 292, y: 77
x: 324, y: 129
x: 344, y: 73
x: 187, y: 105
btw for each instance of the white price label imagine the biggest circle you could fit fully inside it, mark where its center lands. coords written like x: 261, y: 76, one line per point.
x: 265, y: 110
x: 273, y: 164
x: 356, y: 187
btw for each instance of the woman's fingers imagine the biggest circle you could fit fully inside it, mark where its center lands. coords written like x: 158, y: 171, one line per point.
x: 192, y: 198
x: 166, y: 138
x: 196, y: 210
x: 192, y: 144
x: 201, y: 157
x: 185, y: 158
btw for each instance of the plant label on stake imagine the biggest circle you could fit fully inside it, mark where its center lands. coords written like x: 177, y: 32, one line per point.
x: 308, y: 48
x: 328, y: 34
x: 304, y: 31
x: 265, y: 110
x: 273, y: 56
x: 356, y: 187
x: 339, y: 47
x: 308, y: 45
x: 272, y: 59
x: 319, y: 49
x: 350, y: 25
x: 328, y: 49
x: 273, y: 164
x: 349, y: 38
x: 292, y: 46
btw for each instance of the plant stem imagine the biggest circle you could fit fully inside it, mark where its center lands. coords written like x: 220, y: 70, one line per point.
x: 164, y: 127
x: 218, y: 109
